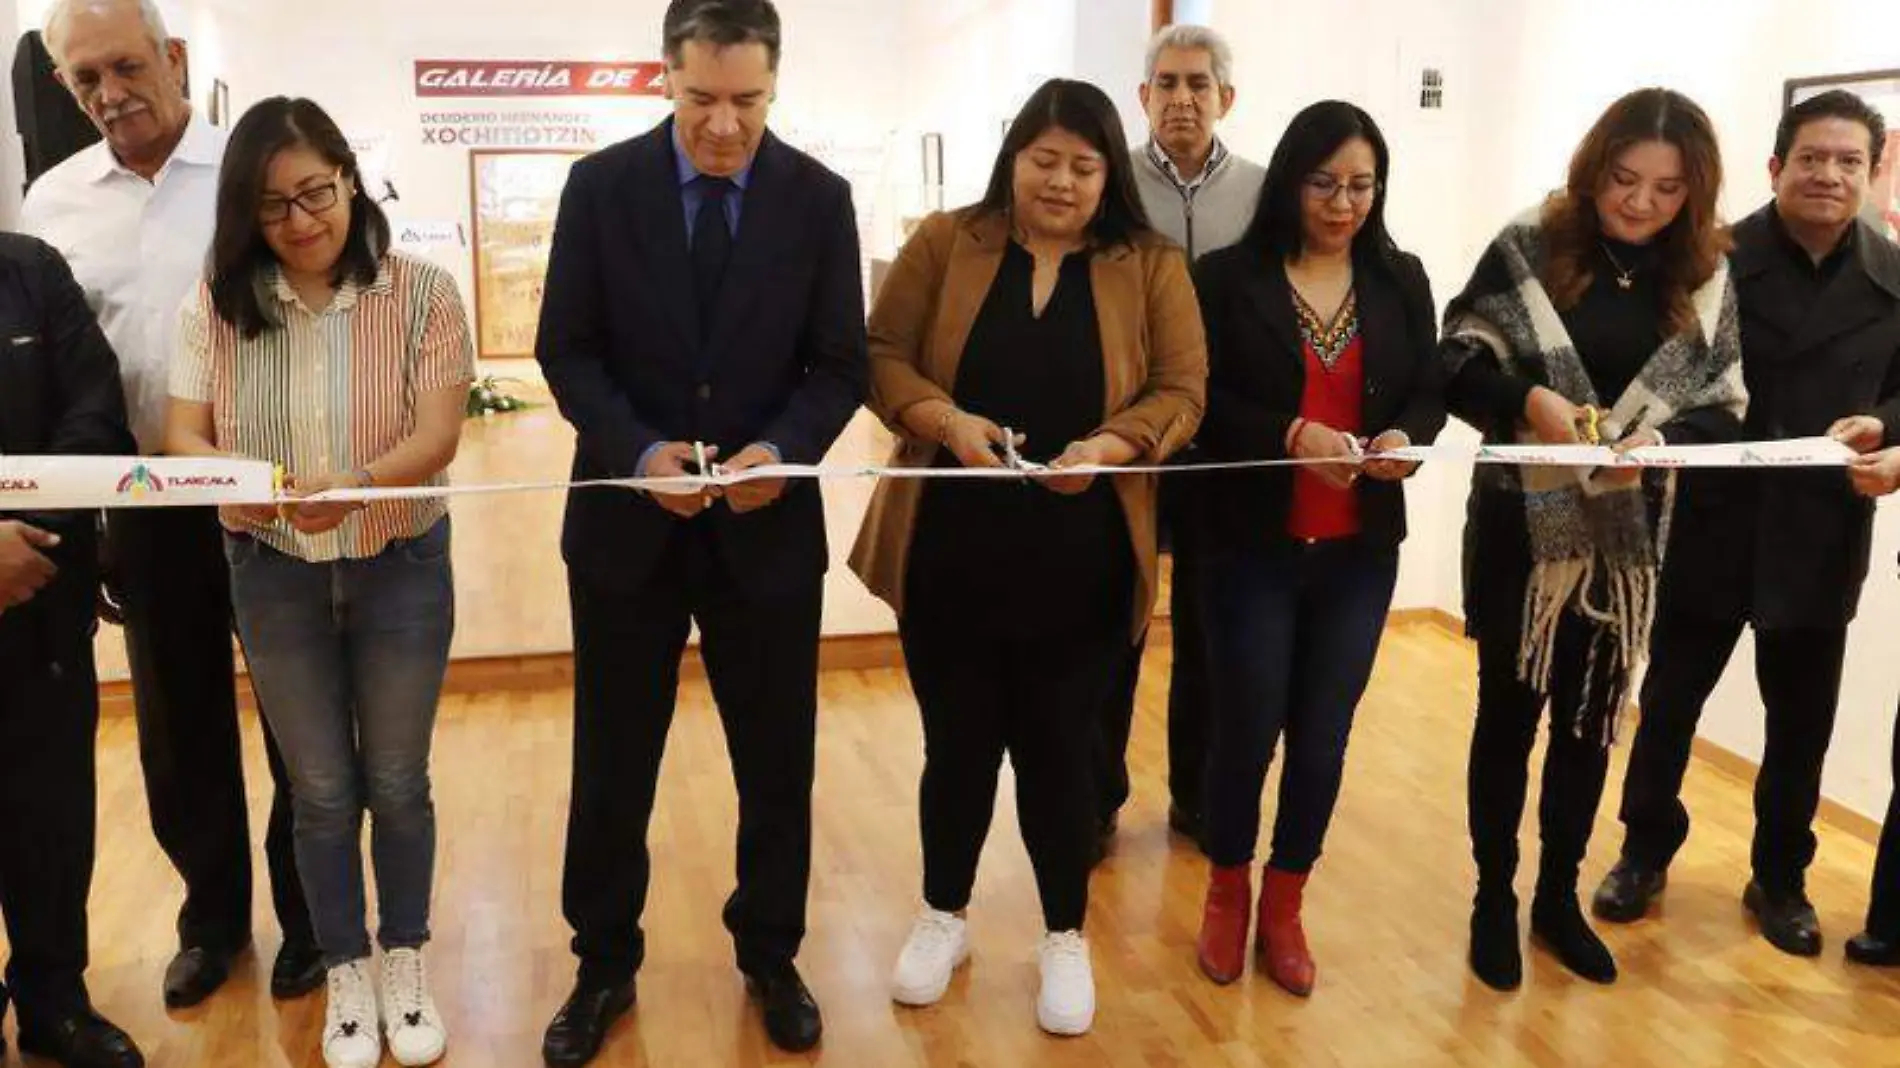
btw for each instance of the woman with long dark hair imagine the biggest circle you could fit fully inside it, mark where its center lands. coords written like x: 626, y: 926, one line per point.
x: 1046, y: 324
x: 313, y: 346
x: 1321, y: 346
x: 1606, y: 313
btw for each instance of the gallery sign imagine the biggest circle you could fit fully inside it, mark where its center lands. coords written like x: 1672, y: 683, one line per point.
x: 505, y: 77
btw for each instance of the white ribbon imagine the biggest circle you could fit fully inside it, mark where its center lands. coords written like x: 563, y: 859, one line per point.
x: 54, y: 483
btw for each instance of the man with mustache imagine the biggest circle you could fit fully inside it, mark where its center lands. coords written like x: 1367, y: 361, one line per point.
x: 134, y: 216
x: 1782, y: 551
x: 1201, y: 195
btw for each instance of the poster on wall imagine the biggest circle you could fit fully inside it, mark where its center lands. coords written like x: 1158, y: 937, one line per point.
x: 516, y: 196
x: 1882, y: 90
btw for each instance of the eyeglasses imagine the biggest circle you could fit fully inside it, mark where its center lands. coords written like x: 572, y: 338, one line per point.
x: 1324, y: 187
x: 314, y: 201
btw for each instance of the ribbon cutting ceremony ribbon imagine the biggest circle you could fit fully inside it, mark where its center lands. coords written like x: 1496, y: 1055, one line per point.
x: 56, y: 483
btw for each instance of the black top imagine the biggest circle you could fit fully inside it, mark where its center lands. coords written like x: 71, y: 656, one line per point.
x: 1616, y: 327
x: 621, y: 346
x: 1789, y: 548
x: 1256, y: 379
x: 1015, y: 557
x: 1615, y: 330
x: 59, y: 395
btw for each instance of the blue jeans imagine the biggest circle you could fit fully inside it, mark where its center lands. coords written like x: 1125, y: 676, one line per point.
x: 348, y: 658
x: 1292, y: 632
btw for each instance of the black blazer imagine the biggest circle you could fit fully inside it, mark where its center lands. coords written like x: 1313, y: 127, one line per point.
x: 1790, y: 548
x: 59, y: 395
x: 1257, y: 374
x: 620, y: 344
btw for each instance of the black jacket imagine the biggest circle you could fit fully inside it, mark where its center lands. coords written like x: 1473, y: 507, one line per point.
x: 1789, y: 548
x: 620, y: 343
x: 1257, y: 375
x: 59, y: 395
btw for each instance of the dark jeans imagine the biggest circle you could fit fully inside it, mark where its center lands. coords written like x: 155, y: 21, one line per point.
x: 349, y: 658
x: 1883, y: 910
x: 1292, y: 633
x: 175, y: 582
x: 982, y: 696
x: 49, y: 716
x: 1575, y: 761
x: 1799, y: 674
x: 761, y: 654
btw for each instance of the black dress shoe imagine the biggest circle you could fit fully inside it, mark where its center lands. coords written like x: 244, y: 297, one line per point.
x: 195, y: 974
x: 298, y: 971
x: 791, y: 1014
x: 1787, y: 921
x: 576, y: 1034
x: 1626, y: 892
x: 1866, y: 948
x: 82, y: 1040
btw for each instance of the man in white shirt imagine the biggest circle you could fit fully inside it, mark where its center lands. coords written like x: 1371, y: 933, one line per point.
x: 1203, y: 197
x: 134, y: 215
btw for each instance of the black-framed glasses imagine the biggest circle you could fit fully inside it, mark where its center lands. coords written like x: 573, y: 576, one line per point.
x: 314, y: 201
x: 1324, y: 187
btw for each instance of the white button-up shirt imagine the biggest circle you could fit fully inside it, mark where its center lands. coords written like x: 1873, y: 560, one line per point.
x: 138, y: 249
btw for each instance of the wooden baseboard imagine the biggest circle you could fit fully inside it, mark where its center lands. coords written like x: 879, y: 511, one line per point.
x: 1427, y: 617
x: 1744, y: 770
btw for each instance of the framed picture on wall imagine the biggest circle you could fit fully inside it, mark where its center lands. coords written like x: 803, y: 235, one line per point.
x: 1881, y: 88
x: 514, y: 197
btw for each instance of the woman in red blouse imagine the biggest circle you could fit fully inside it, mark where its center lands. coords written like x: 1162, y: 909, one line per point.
x: 1321, y: 339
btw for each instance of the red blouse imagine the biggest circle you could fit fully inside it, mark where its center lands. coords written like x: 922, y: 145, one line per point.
x: 1335, y: 385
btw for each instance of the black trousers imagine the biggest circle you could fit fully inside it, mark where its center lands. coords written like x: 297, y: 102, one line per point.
x: 49, y: 718
x: 1189, y: 698
x: 1575, y: 764
x: 1883, y: 910
x: 176, y: 588
x: 1037, y: 700
x: 761, y: 656
x: 1799, y: 673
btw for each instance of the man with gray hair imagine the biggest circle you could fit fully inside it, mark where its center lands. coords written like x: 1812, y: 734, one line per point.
x: 134, y: 215
x: 1203, y: 196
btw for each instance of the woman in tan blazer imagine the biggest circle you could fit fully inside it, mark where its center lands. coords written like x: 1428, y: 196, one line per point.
x: 1047, y: 322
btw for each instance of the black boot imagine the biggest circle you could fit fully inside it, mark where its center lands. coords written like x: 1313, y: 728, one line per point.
x: 1496, y: 958
x: 1787, y: 920
x: 1557, y: 923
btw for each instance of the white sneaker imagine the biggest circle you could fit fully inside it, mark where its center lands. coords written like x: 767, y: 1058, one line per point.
x: 350, y: 1035
x: 416, y: 1034
x: 939, y: 943
x: 1066, y: 1005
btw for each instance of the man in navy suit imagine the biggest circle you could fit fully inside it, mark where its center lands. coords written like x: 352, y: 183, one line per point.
x: 703, y: 289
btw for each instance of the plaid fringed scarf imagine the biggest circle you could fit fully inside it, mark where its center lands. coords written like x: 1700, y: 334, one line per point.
x: 1593, y: 549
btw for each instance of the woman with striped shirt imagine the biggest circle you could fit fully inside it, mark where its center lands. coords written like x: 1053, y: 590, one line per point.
x: 313, y: 346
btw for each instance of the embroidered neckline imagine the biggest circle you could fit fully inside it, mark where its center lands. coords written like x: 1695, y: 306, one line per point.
x: 1329, y: 341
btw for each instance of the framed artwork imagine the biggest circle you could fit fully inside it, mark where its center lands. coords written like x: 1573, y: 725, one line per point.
x: 514, y: 197
x: 1881, y: 88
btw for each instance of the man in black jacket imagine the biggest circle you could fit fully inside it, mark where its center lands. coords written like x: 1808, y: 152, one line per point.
x: 1783, y: 551
x: 59, y: 395
x: 704, y: 294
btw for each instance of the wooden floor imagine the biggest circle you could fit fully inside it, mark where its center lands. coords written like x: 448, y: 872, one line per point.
x: 1387, y: 916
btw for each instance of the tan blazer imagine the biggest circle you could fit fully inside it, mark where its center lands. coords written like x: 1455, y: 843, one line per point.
x: 1154, y: 355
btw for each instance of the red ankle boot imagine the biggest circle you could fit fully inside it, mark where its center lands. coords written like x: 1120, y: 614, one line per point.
x: 1223, y: 944
x: 1281, y: 938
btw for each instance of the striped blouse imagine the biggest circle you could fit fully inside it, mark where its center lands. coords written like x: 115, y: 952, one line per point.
x: 331, y: 391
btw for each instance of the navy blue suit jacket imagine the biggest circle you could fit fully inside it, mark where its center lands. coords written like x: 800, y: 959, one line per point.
x: 620, y: 342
